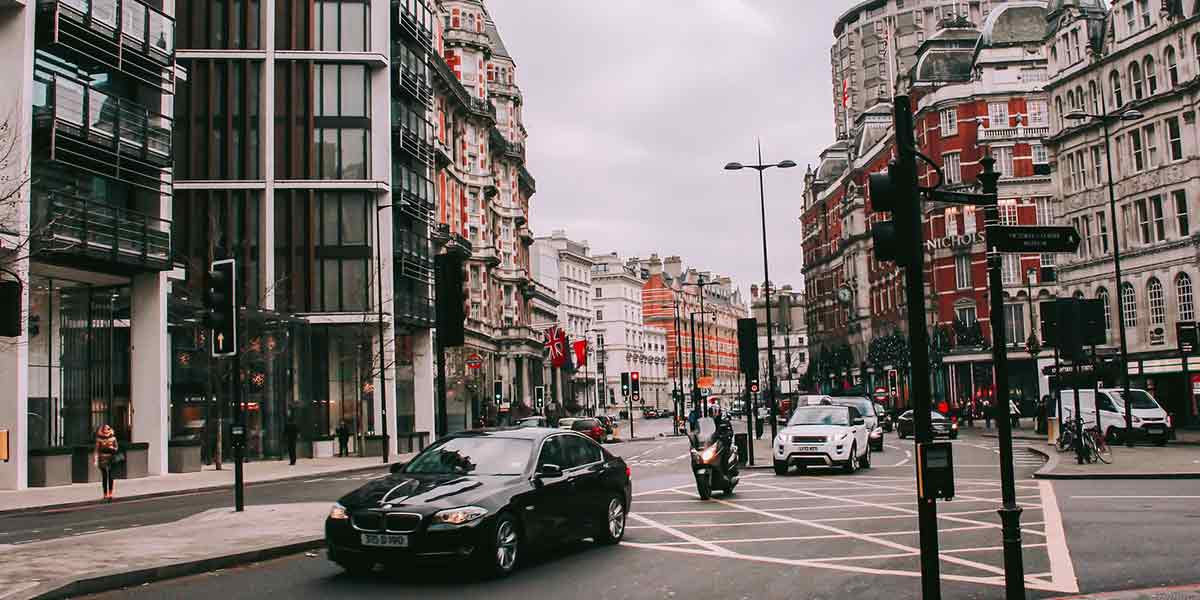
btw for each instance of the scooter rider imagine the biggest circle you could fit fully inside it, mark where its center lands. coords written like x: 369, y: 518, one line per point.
x: 724, y: 433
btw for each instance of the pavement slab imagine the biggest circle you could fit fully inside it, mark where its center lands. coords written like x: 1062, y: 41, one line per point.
x: 1139, y: 462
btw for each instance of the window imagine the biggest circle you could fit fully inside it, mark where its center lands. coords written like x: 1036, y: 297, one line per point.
x: 1096, y: 169
x: 1130, y: 18
x: 599, y: 315
x: 1151, y: 75
x: 1129, y: 299
x: 949, y: 121
x: 1011, y: 269
x: 1040, y: 155
x: 1114, y: 81
x: 1158, y: 221
x: 1143, y: 216
x: 1038, y: 116
x: 1158, y: 309
x: 952, y: 167
x: 1174, y: 140
x: 962, y: 271
x: 1004, y: 161
x: 599, y: 292
x: 1102, y: 296
x: 1172, y: 66
x: 1151, y: 145
x: 998, y: 114
x: 951, y: 217
x: 1144, y: 9
x: 1087, y: 247
x: 1094, y: 93
x: 1136, y: 82
x: 1008, y: 212
x: 1139, y: 152
x: 343, y: 254
x: 1045, y: 211
x: 969, y: 220
x: 966, y: 314
x: 340, y: 25
x: 1102, y: 231
x: 1183, y: 295
x: 341, y: 128
x: 1014, y: 324
x: 1181, y: 212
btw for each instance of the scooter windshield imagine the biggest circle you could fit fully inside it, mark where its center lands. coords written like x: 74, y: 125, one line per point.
x: 706, y: 432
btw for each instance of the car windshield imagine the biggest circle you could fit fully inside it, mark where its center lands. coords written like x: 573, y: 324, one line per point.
x: 1138, y: 399
x: 473, y: 456
x: 865, y: 407
x: 823, y: 415
x: 531, y: 422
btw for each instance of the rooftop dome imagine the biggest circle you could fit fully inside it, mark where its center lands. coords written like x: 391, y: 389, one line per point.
x: 1016, y: 23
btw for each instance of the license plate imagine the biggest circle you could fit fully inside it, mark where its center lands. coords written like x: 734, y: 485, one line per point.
x: 385, y: 540
x: 808, y: 449
x: 1156, y: 430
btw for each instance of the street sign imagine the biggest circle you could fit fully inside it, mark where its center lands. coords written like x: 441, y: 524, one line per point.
x: 1185, y: 332
x: 474, y: 361
x: 1028, y: 238
x: 705, y: 383
x: 964, y: 197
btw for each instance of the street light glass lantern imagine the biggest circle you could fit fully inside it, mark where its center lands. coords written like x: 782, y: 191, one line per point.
x: 787, y: 164
x: 1132, y: 115
x: 1077, y: 115
x: 733, y: 166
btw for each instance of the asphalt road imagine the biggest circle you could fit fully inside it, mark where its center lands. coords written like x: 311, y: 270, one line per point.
x: 820, y: 535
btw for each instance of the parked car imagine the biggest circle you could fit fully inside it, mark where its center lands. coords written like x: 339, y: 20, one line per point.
x: 823, y: 436
x: 1150, y: 421
x: 591, y: 427
x: 942, y: 425
x: 609, y: 426
x: 565, y: 422
x: 867, y: 408
x: 534, y: 421
x: 486, y: 497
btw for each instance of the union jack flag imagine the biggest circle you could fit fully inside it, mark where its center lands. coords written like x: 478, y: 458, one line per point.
x: 556, y: 344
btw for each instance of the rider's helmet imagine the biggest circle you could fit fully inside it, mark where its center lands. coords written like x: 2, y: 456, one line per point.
x: 716, y: 411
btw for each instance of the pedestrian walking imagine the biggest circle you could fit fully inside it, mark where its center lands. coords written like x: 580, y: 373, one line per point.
x: 105, y: 457
x: 1014, y: 412
x: 969, y: 409
x: 1043, y: 402
x: 343, y: 436
x: 987, y: 414
x: 291, y: 433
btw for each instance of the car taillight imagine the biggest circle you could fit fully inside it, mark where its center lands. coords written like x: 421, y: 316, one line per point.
x: 628, y: 472
x: 597, y: 430
x: 1170, y: 421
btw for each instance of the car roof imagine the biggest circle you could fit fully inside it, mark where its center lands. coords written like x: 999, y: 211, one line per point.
x: 521, y: 433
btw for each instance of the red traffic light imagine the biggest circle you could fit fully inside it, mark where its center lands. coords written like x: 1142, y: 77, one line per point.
x: 634, y: 375
x: 754, y: 388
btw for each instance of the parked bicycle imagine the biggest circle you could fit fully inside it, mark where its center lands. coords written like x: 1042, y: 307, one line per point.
x: 1091, y: 447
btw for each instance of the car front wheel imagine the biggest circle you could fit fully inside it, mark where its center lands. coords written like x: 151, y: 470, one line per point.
x: 852, y: 462
x: 501, y: 556
x: 781, y: 467
x: 866, y: 461
x: 612, y: 525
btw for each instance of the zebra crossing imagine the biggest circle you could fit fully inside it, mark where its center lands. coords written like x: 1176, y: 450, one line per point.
x: 1022, y: 455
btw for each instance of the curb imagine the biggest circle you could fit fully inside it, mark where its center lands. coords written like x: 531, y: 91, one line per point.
x: 118, y: 579
x: 182, y: 492
x: 1192, y: 591
x: 1027, y: 438
x: 1052, y: 461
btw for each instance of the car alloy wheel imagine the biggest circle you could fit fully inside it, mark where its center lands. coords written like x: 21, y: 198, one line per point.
x: 852, y: 462
x: 507, y: 543
x: 616, y: 520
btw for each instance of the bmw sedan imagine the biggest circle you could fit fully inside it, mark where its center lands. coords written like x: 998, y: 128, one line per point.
x: 483, y: 496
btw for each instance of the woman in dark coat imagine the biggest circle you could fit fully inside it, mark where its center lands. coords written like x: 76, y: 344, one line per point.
x: 106, y: 450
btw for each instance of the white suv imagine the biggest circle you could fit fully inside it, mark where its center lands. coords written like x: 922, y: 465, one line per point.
x: 823, y: 436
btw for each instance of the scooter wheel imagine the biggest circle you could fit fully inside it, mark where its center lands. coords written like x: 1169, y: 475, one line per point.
x: 704, y: 489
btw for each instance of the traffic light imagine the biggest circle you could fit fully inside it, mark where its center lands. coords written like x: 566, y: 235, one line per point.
x: 220, y: 299
x: 892, y: 193
x: 498, y: 391
x: 539, y: 397
x: 635, y: 385
x: 450, y: 300
x: 10, y: 308
x: 753, y: 386
x: 625, y: 384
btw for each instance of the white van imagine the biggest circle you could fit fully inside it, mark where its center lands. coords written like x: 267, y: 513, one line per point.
x: 1150, y: 421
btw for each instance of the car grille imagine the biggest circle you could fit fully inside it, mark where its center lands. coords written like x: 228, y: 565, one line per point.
x: 368, y: 521
x: 403, y: 522
x: 808, y: 439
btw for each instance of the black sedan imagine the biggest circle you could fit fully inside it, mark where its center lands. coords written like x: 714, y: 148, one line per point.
x: 484, y: 496
x: 942, y: 426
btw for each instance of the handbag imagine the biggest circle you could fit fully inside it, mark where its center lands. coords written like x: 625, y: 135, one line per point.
x: 119, y: 457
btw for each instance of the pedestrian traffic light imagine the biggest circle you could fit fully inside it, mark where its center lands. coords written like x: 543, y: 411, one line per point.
x: 10, y: 308
x: 498, y: 391
x: 635, y: 385
x: 450, y: 299
x: 625, y: 384
x: 891, y: 193
x: 220, y: 300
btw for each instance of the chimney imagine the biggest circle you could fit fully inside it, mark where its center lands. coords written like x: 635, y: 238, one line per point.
x: 673, y: 265
x: 753, y: 292
x: 656, y: 265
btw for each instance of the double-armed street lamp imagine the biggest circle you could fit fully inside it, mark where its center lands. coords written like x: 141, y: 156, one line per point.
x: 762, y: 204
x: 1105, y: 121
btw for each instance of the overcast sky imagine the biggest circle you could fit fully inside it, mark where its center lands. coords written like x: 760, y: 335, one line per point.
x: 634, y: 106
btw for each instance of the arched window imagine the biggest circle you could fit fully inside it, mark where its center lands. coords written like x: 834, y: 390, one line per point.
x: 1071, y: 99
x: 1151, y: 76
x: 1154, y: 296
x: 1094, y: 93
x: 1172, y: 66
x: 1135, y: 81
x: 1102, y: 296
x: 1058, y: 109
x: 1078, y: 295
x: 1114, y: 81
x: 1183, y: 295
x: 1129, y: 300
x: 1196, y: 49
x: 1080, y: 98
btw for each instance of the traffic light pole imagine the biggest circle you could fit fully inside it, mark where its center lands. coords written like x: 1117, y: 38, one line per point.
x: 239, y: 441
x: 1010, y: 512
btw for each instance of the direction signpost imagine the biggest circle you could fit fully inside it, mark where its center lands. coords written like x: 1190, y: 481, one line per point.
x: 1028, y: 238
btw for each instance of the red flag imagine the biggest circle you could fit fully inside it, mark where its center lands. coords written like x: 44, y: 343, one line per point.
x: 556, y: 344
x: 580, y: 348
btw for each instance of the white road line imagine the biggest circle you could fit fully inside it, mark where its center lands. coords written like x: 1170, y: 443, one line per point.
x: 1061, y: 568
x: 679, y: 534
x: 695, y: 525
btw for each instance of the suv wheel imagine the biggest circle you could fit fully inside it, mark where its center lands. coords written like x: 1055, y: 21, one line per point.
x: 852, y: 462
x: 866, y: 461
x: 781, y: 467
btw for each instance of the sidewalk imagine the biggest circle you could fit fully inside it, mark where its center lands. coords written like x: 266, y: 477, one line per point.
x: 209, y: 478
x: 1139, y: 462
x: 1186, y: 592
x: 211, y: 540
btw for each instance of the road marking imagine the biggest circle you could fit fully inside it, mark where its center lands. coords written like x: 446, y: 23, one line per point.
x: 1062, y: 570
x: 1135, y: 497
x: 679, y: 534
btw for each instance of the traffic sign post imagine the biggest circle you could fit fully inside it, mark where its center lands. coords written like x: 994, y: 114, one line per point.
x: 1029, y: 238
x: 971, y: 198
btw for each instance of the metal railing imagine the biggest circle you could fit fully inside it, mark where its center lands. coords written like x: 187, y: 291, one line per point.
x: 1013, y: 133
x: 109, y: 122
x: 83, y: 226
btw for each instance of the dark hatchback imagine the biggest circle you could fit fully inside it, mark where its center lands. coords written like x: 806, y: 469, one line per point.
x: 485, y: 496
x: 942, y: 426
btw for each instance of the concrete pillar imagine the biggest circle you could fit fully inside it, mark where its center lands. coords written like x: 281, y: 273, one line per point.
x: 527, y: 378
x: 149, y: 356
x: 16, y: 111
x: 424, y: 371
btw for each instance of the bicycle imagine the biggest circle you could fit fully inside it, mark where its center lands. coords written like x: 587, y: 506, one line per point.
x: 1066, y: 436
x: 1097, y: 447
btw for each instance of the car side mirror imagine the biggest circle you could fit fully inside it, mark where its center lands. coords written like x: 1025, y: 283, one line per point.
x: 549, y: 471
x: 858, y: 421
x: 397, y: 467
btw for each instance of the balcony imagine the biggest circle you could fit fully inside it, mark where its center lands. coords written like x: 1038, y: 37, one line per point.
x: 414, y: 20
x: 464, y: 37
x: 1013, y: 133
x: 515, y: 151
x: 82, y: 232
x: 486, y: 254
x: 483, y: 108
x: 499, y: 88
x: 102, y: 134
x: 410, y: 310
x: 412, y: 82
x: 126, y: 35
x: 526, y: 180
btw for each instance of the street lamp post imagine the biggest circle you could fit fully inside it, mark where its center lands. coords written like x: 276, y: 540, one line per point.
x: 700, y: 284
x: 678, y: 400
x: 1029, y: 275
x: 762, y: 204
x: 1106, y: 120
x: 695, y: 377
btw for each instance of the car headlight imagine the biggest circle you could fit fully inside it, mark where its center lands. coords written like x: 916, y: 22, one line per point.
x: 709, y: 453
x: 338, y: 512
x: 459, y: 516
x: 877, y: 432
